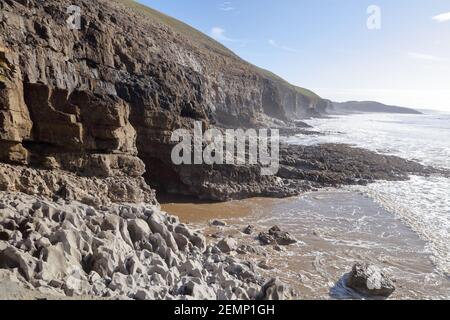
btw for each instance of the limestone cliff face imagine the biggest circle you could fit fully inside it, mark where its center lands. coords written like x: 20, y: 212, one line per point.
x: 102, y: 101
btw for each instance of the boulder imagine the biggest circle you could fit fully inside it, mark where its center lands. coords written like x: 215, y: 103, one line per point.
x: 145, y: 295
x: 217, y: 223
x: 107, y: 258
x: 12, y: 258
x: 11, y: 275
x: 282, y: 238
x: 110, y: 223
x: 182, y: 241
x: 122, y: 283
x: 264, y: 265
x: 192, y: 268
x: 198, y: 290
x: 76, y: 284
x: 227, y: 245
x: 265, y: 238
x: 274, y: 290
x: 64, y: 251
x: 139, y: 230
x: 370, y: 280
x: 54, y: 264
x: 248, y: 230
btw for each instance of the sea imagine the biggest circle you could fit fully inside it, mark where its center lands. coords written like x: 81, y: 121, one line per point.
x: 403, y: 227
x: 423, y: 203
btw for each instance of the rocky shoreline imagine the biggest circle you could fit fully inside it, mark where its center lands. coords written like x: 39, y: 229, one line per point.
x: 65, y: 235
x: 128, y: 251
x: 68, y: 250
x: 86, y: 118
x: 302, y: 168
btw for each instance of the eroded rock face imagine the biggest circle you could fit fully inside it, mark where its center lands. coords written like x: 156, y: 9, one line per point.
x: 80, y: 121
x: 67, y: 186
x: 15, y: 122
x: 89, y: 100
x: 103, y: 101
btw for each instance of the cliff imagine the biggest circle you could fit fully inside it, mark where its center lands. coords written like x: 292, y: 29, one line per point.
x: 102, y: 101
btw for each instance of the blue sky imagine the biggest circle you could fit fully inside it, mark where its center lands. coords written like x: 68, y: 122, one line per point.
x: 326, y: 46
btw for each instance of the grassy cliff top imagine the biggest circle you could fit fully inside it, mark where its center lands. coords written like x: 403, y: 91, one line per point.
x: 180, y: 27
x: 208, y: 43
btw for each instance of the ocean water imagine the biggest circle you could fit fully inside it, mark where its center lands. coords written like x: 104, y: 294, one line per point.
x: 403, y: 227
x: 422, y: 203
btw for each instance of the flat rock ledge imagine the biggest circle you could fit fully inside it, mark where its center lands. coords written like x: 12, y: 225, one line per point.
x: 67, y: 249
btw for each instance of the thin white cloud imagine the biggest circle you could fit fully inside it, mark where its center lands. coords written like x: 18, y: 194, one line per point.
x: 226, y: 6
x: 442, y: 17
x: 219, y: 34
x: 425, y: 57
x: 274, y: 44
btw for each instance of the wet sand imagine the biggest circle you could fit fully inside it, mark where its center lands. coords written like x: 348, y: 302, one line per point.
x: 190, y: 211
x: 335, y: 229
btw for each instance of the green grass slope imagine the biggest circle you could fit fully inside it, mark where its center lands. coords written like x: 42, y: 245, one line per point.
x: 208, y: 43
x: 182, y: 28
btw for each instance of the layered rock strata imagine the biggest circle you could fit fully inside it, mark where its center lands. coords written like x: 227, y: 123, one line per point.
x: 89, y: 101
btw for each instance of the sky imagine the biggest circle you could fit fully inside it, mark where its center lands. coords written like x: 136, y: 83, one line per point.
x: 392, y: 51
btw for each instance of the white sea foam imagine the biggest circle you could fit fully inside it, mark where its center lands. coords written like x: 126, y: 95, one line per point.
x: 423, y: 202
